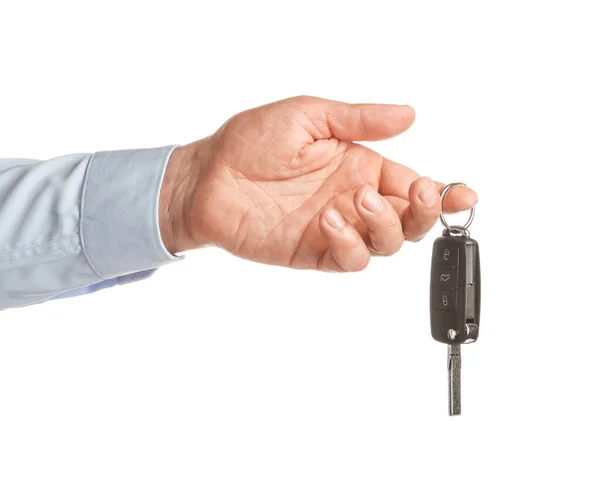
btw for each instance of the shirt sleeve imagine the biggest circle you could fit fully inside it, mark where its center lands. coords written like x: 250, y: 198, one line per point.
x: 79, y: 223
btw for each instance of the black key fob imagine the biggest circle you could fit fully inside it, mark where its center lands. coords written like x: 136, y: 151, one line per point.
x: 455, y: 289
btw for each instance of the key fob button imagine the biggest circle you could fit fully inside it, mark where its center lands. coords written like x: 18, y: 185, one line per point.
x: 444, y: 300
x: 447, y: 256
x: 446, y: 278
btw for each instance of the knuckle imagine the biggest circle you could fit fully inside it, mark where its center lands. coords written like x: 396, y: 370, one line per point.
x: 359, y: 264
x: 415, y: 238
x: 302, y: 100
x: 389, y: 222
x: 390, y: 251
x: 390, y: 248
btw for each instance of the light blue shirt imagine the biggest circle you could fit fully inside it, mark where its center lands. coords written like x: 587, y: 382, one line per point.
x: 79, y: 223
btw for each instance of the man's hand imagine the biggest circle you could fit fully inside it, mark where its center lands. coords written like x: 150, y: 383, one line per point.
x: 285, y: 184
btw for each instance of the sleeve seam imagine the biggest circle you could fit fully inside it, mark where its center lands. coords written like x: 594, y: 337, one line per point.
x: 41, y: 244
x: 11, y: 256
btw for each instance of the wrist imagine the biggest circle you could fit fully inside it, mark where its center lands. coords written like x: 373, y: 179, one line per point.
x: 177, y: 196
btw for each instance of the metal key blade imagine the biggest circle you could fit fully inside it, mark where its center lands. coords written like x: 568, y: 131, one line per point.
x: 454, y: 379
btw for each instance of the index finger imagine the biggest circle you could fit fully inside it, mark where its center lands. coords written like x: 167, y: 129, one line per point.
x: 458, y: 198
x: 396, y: 180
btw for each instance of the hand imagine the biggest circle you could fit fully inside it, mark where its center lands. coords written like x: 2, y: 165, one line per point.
x: 285, y: 184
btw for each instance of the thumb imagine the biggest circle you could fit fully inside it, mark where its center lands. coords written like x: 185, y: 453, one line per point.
x: 356, y: 122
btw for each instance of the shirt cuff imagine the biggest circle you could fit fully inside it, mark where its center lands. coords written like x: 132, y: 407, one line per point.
x: 120, y: 232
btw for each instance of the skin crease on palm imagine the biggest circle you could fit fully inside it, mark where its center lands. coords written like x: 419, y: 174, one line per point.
x: 286, y: 184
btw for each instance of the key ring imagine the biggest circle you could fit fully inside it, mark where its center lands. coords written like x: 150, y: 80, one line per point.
x: 456, y: 229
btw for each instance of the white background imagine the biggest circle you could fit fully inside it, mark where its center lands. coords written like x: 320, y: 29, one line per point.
x: 220, y: 374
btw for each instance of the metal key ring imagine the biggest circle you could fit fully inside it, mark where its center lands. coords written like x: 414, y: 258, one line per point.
x: 455, y: 228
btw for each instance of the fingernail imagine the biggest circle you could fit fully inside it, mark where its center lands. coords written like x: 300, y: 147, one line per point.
x: 429, y: 194
x: 372, y: 201
x: 335, y: 220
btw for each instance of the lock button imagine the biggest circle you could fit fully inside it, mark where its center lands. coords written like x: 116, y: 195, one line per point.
x: 444, y: 299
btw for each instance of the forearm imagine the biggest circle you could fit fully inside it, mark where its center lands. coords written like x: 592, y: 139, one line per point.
x: 79, y: 220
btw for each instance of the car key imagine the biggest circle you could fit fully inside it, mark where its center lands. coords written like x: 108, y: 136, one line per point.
x: 455, y: 296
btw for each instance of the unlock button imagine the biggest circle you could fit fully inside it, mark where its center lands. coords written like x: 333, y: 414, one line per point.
x: 447, y: 256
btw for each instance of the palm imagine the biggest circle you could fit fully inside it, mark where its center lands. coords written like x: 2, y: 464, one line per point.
x: 279, y: 181
x: 285, y: 184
